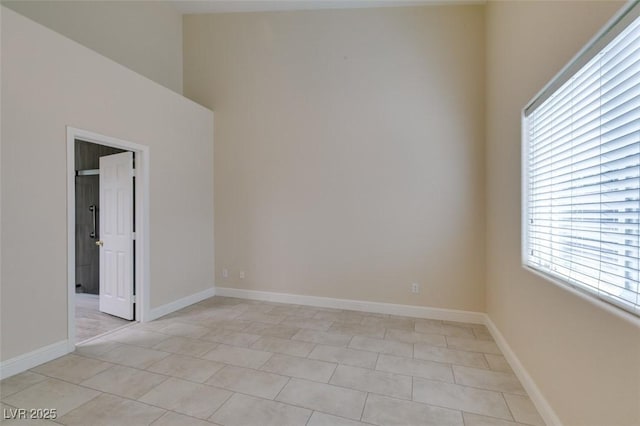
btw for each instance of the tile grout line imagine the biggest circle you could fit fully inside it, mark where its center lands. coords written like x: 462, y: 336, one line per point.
x: 412, y: 387
x: 315, y: 345
x: 508, y: 407
x: 222, y: 405
x: 280, y: 391
x: 334, y: 372
x: 166, y: 377
x: 226, y: 364
x: 100, y: 393
x: 364, y: 406
x: 316, y: 409
x: 309, y: 418
x: 241, y: 366
x: 159, y: 417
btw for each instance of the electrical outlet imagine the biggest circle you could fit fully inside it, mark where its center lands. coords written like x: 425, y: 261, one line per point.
x: 242, y: 275
x: 415, y: 288
x: 225, y: 273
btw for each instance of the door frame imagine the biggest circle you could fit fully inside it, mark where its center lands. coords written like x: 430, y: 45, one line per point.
x: 141, y: 202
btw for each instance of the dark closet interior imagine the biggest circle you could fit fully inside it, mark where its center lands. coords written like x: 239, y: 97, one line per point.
x: 87, y: 162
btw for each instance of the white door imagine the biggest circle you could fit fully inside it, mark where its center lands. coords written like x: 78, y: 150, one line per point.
x: 116, y: 235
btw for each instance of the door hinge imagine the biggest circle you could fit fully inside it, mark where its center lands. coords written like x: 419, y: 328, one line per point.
x: 133, y: 236
x: 133, y: 298
x: 133, y: 172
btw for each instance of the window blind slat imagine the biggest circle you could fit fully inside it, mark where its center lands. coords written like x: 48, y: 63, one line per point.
x: 594, y: 268
x: 613, y: 123
x: 605, y: 131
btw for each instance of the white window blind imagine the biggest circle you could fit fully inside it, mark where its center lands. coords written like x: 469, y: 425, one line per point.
x: 582, y: 172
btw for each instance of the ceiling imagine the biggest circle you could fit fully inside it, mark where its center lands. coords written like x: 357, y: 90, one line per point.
x: 222, y: 6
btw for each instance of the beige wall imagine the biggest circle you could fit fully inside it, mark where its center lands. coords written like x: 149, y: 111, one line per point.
x: 49, y: 82
x: 585, y: 360
x: 145, y: 36
x: 349, y: 150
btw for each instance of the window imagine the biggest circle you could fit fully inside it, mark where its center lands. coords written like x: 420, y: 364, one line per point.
x: 581, y: 163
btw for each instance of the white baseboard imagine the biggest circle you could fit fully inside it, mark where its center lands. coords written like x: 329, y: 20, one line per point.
x: 176, y: 305
x: 544, y: 408
x: 31, y: 359
x: 356, y: 305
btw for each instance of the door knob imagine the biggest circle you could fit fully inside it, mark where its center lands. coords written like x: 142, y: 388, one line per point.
x: 100, y: 243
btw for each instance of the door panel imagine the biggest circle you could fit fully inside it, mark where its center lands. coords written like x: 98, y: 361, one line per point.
x: 116, y: 235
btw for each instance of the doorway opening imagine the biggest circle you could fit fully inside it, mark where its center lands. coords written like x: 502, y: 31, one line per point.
x: 107, y: 234
x: 91, y: 320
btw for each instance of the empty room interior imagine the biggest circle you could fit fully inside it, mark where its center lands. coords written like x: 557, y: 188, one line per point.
x: 320, y: 212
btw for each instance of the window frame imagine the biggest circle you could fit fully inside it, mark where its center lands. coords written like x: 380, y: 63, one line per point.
x: 618, y: 23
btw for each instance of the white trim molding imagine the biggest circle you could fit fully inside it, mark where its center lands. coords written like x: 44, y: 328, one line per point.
x: 34, y: 358
x: 542, y: 405
x: 356, y: 305
x: 142, y: 262
x: 176, y: 305
x: 39, y: 356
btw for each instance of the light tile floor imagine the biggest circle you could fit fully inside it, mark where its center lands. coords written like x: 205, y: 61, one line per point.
x: 234, y: 362
x: 90, y: 322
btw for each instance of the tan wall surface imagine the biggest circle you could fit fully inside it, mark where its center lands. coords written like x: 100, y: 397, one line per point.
x: 349, y: 150
x: 49, y: 82
x: 145, y: 36
x: 585, y: 360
